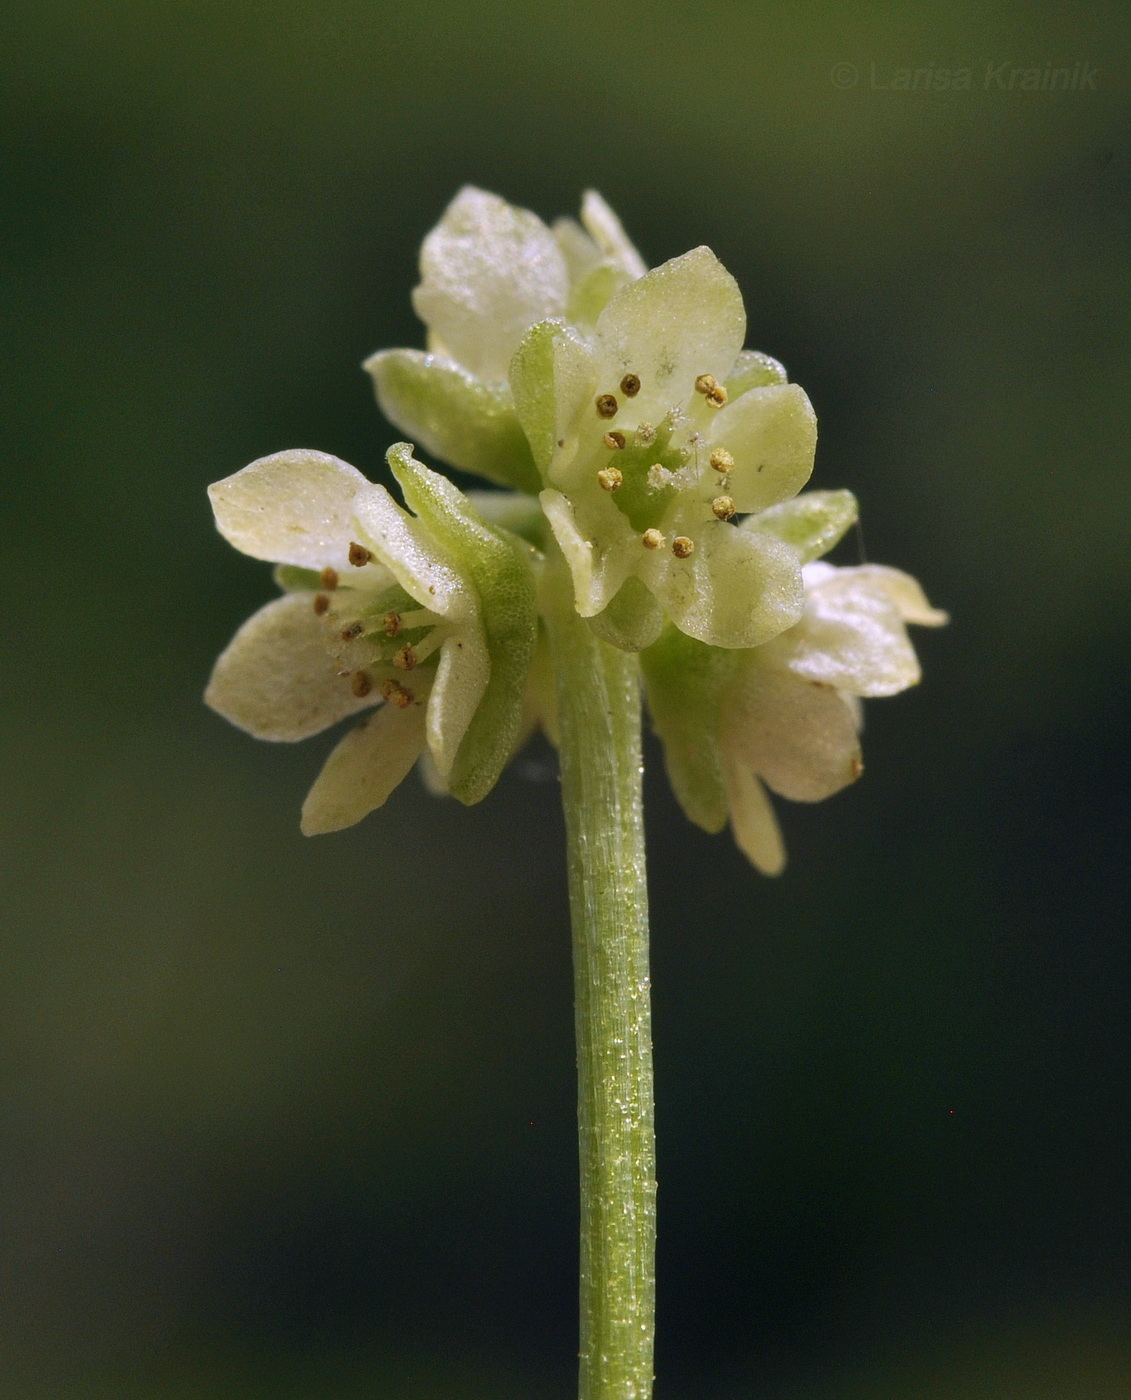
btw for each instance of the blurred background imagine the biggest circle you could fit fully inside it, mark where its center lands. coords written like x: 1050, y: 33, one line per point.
x: 271, y: 1131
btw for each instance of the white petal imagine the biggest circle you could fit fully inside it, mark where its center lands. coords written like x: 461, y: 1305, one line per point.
x: 580, y: 252
x: 407, y: 549
x: 461, y: 678
x: 753, y: 820
x: 277, y: 678
x: 364, y: 769
x: 772, y: 435
x: 489, y: 272
x: 904, y: 591
x: 610, y: 237
x: 598, y: 572
x: 679, y: 321
x: 738, y: 588
x: 798, y: 736
x: 295, y: 507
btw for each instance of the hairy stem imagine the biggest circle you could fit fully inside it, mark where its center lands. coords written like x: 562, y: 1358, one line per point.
x: 599, y: 700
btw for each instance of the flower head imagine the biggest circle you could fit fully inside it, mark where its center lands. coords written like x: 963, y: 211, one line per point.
x: 432, y: 613
x: 785, y: 715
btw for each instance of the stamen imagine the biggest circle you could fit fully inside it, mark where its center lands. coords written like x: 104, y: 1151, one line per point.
x: 722, y: 461
x: 614, y: 441
x: 610, y: 479
x: 321, y: 604
x: 607, y: 406
x: 353, y: 631
x: 645, y: 434
x: 717, y: 396
x: 651, y: 539
x: 705, y: 383
x: 723, y: 507
x: 328, y: 578
x: 856, y: 766
x: 682, y: 547
x: 361, y: 684
x: 359, y: 556
x: 405, y: 659
x: 630, y: 386
x: 396, y: 694
x: 392, y: 624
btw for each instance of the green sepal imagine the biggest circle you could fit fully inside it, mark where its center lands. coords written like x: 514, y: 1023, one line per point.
x: 754, y: 370
x: 812, y: 523
x: 548, y: 374
x: 593, y: 292
x: 685, y: 682
x: 633, y: 619
x: 454, y: 415
x: 498, y: 564
x: 292, y: 579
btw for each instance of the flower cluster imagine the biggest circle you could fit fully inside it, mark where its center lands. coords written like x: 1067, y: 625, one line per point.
x: 634, y: 436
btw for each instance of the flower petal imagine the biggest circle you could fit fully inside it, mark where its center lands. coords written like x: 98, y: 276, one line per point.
x: 677, y: 322
x: 294, y: 507
x: 598, y: 543
x: 277, y: 679
x: 633, y: 619
x: 738, y: 588
x: 363, y: 769
x: 552, y: 375
x: 752, y: 370
x: 685, y: 681
x: 904, y: 591
x: 476, y: 706
x: 753, y: 820
x: 489, y: 272
x: 580, y: 252
x: 798, y: 736
x: 812, y: 523
x: 465, y: 422
x: 772, y: 435
x: 609, y: 235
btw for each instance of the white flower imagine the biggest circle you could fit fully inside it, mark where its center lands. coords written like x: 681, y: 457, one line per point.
x: 785, y: 715
x: 432, y: 613
x: 653, y: 432
x: 489, y: 271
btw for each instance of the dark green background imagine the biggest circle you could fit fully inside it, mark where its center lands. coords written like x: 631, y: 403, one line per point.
x: 287, y: 1118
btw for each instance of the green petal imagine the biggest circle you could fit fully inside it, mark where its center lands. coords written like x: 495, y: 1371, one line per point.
x: 677, y: 322
x: 608, y: 233
x: 685, y: 681
x: 489, y: 271
x: 633, y: 619
x: 454, y: 415
x: 811, y: 523
x: 551, y: 375
x: 592, y: 293
x: 772, y: 435
x: 498, y: 567
x: 753, y: 820
x: 754, y: 370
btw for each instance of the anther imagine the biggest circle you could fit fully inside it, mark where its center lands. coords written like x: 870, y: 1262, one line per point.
x: 705, y: 383
x: 682, y: 547
x: 723, y: 507
x: 614, y: 441
x: 391, y: 624
x: 610, y: 479
x: 607, y: 406
x: 722, y: 461
x: 630, y: 386
x: 856, y: 766
x: 716, y: 396
x: 328, y: 578
x: 651, y: 539
x: 353, y: 631
x: 405, y: 659
x: 321, y: 604
x: 359, y: 556
x: 396, y: 694
x: 360, y: 684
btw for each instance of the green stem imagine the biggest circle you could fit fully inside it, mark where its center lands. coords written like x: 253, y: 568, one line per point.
x: 599, y: 702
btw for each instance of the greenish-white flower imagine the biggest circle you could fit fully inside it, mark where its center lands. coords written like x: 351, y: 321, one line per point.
x: 785, y: 715
x: 489, y: 271
x: 432, y: 613
x: 653, y: 432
